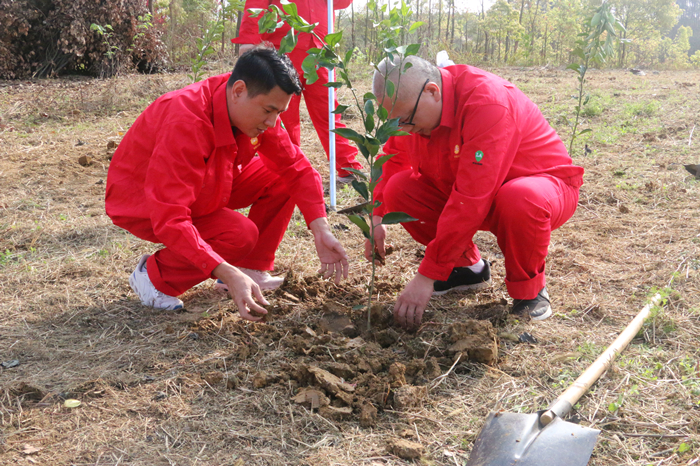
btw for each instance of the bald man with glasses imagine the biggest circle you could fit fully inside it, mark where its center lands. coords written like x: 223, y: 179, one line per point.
x: 481, y: 156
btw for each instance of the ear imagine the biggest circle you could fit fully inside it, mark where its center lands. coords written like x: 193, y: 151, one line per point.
x: 238, y: 89
x: 434, y: 90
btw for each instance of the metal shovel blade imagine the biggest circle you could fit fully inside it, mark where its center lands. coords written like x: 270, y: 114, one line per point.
x: 520, y: 439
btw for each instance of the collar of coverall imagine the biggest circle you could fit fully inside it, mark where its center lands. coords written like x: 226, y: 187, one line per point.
x: 447, y: 118
x: 223, y: 132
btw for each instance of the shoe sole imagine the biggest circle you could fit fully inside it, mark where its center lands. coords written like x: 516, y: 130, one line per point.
x: 476, y: 286
x: 546, y: 315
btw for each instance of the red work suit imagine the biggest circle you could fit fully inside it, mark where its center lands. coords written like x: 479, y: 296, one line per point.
x: 182, y: 170
x: 316, y: 94
x: 495, y: 164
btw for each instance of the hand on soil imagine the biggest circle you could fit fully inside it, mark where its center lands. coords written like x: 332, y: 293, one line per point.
x: 334, y: 259
x: 243, y: 290
x: 409, y: 307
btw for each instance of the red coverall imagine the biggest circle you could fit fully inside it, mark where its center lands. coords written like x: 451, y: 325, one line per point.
x: 495, y: 164
x: 180, y: 172
x: 316, y: 94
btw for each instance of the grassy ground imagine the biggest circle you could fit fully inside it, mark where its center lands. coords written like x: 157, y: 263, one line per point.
x: 201, y: 387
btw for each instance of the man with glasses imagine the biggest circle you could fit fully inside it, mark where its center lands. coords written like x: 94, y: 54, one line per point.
x: 481, y: 156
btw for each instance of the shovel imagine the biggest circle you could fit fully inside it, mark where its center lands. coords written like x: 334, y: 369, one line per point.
x: 545, y: 438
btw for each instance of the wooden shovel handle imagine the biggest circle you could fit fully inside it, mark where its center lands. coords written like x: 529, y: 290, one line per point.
x: 563, y: 404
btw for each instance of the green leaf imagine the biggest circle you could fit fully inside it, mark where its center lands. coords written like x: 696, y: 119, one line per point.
x: 333, y: 38
x: 308, y: 66
x: 683, y: 447
x: 369, y: 107
x: 360, y: 222
x: 289, y: 8
x: 585, y: 131
x: 368, y: 96
x: 412, y: 49
x: 389, y: 88
x: 340, y: 109
x: 334, y: 84
x: 350, y: 134
x: 356, y: 172
x: 382, y: 113
x: 415, y: 26
x: 401, y: 49
x: 595, y: 20
x: 288, y: 42
x: 348, y: 57
x: 407, y: 66
x: 397, y: 217
x: 70, y: 403
x: 361, y: 188
x: 369, y: 123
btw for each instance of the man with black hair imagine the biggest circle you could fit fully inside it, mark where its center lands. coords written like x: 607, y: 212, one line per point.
x: 196, y: 155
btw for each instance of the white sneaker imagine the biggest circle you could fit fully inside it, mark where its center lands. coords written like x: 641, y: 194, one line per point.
x: 264, y: 280
x: 147, y: 293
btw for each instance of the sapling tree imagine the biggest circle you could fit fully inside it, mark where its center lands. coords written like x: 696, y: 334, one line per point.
x: 594, y: 46
x: 378, y: 127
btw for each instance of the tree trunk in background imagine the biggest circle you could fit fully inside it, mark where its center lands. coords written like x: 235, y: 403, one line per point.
x: 149, y: 5
x: 439, y: 19
x: 447, y: 27
x: 430, y: 20
x: 452, y: 36
x: 352, y: 24
x: 239, y: 19
x: 366, y: 25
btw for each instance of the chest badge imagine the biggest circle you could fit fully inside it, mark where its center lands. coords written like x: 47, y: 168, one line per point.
x: 479, y: 155
x: 254, y: 141
x: 456, y: 149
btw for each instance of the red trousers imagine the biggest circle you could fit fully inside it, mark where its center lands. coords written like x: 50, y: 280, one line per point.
x: 523, y: 215
x: 249, y: 242
x: 316, y: 98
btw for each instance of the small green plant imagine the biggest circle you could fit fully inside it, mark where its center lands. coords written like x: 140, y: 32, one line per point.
x: 593, y: 47
x: 205, y: 48
x: 378, y: 127
x: 107, y: 33
x: 144, y: 23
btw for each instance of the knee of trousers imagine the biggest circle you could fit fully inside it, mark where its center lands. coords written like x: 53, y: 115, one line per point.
x: 521, y: 212
x: 395, y: 195
x: 235, y: 243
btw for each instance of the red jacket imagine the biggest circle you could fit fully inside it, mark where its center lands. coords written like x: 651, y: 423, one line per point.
x: 313, y: 11
x: 178, y: 161
x: 489, y: 133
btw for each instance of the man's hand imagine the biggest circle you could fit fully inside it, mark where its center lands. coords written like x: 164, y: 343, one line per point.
x: 409, y: 308
x: 379, y: 241
x: 242, y: 289
x: 243, y: 48
x: 334, y: 259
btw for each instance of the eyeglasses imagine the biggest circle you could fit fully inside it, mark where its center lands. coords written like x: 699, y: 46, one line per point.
x: 413, y: 113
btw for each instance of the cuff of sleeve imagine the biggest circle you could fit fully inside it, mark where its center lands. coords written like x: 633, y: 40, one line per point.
x: 434, y: 271
x: 313, y: 212
x: 207, y: 262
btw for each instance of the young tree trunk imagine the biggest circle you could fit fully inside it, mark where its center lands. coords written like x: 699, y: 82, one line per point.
x: 149, y: 5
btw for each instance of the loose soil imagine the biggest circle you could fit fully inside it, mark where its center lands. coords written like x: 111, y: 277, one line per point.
x: 313, y: 385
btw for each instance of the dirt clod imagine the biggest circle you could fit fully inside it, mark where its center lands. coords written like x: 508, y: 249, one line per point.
x: 405, y: 449
x: 336, y: 414
x: 311, y: 397
x: 85, y: 161
x: 474, y: 338
x: 409, y: 396
x: 368, y: 415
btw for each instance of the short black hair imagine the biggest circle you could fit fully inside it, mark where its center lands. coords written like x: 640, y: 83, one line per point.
x: 262, y: 68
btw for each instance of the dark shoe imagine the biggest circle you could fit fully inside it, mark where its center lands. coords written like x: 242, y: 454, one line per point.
x: 462, y: 279
x: 538, y: 308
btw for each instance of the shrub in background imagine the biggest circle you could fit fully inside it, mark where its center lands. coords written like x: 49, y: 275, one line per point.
x: 41, y: 38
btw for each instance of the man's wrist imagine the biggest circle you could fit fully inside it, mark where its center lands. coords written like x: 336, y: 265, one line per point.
x: 320, y: 225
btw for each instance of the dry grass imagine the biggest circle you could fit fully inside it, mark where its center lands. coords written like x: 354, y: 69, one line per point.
x: 179, y: 388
